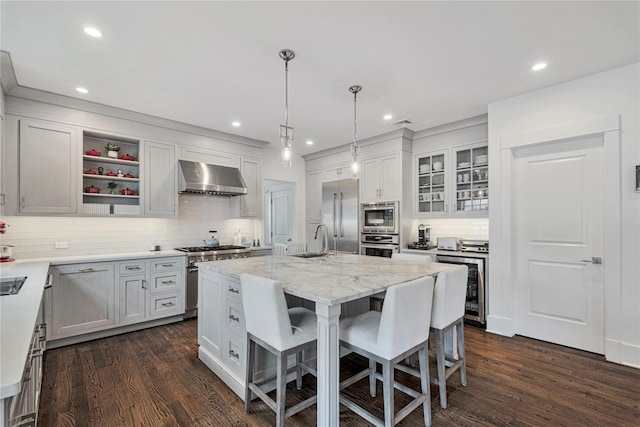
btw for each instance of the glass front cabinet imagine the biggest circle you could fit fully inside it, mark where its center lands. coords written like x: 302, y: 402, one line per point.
x: 452, y: 181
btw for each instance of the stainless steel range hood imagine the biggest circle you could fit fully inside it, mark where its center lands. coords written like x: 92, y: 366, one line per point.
x: 203, y: 178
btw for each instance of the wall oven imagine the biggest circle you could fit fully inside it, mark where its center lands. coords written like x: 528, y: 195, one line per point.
x: 383, y: 245
x: 381, y: 217
x: 475, y: 304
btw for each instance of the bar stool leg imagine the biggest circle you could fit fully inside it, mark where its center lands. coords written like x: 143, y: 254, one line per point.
x: 440, y: 357
x: 281, y: 391
x: 248, y: 394
x: 461, y: 353
x: 298, y: 370
x: 387, y: 390
x: 372, y: 377
x: 425, y: 383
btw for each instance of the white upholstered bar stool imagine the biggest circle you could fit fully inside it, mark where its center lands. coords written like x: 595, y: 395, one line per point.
x: 388, y: 337
x: 279, y: 249
x: 281, y: 331
x: 449, y: 300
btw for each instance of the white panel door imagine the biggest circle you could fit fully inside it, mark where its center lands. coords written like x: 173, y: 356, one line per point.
x: 282, y: 221
x: 558, y: 225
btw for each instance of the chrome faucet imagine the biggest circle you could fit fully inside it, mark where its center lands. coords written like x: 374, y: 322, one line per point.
x: 325, y: 241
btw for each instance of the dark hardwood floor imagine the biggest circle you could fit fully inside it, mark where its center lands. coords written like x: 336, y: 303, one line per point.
x: 154, y: 378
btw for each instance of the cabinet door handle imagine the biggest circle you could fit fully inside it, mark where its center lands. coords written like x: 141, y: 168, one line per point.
x: 234, y: 290
x: 133, y: 268
x: 168, y: 304
x: 144, y: 284
x: 234, y: 318
x: 22, y: 203
x: 234, y: 354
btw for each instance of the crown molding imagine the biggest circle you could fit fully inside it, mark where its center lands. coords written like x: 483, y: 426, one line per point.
x: 133, y: 116
x: 8, y: 79
x: 403, y: 133
x: 481, y: 119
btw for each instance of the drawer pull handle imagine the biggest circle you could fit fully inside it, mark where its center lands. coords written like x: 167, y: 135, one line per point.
x: 86, y: 270
x: 234, y: 290
x: 234, y: 354
x: 234, y: 318
x: 133, y: 268
x: 168, y: 304
x: 167, y: 265
x: 164, y: 282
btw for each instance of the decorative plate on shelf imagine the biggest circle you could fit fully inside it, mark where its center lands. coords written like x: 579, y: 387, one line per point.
x: 464, y: 165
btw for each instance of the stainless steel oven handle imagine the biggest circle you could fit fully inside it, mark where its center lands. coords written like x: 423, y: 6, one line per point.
x: 379, y: 246
x: 192, y: 270
x: 335, y: 234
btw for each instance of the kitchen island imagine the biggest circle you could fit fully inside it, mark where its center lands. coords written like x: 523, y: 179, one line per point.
x: 327, y: 281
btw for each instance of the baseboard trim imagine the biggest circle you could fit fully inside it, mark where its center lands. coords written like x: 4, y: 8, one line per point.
x: 500, y: 325
x: 232, y: 381
x: 76, y: 339
x: 622, y: 353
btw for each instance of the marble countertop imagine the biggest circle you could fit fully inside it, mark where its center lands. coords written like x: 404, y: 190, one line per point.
x: 330, y: 280
x: 18, y: 314
x: 75, y: 259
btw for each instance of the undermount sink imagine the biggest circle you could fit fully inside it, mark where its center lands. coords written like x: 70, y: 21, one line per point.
x: 11, y: 285
x: 309, y: 255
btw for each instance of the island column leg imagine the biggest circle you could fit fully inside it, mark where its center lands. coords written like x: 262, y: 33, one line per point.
x: 328, y: 365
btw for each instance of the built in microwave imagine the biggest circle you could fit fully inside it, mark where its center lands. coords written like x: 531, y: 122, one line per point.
x: 380, y: 217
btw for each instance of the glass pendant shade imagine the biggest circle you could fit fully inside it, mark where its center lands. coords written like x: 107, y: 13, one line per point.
x: 286, y: 140
x: 355, y: 164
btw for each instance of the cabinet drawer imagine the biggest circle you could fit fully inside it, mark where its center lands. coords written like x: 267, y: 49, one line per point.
x: 233, y: 289
x: 235, y: 317
x: 233, y: 354
x: 132, y: 267
x: 166, y: 264
x: 163, y: 282
x: 168, y: 304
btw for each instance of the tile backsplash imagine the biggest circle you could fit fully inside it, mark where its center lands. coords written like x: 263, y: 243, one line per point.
x: 35, y: 236
x: 462, y: 228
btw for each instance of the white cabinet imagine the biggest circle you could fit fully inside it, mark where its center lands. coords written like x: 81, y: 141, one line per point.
x: 47, y: 168
x: 432, y: 183
x: 251, y: 204
x: 209, y: 314
x: 160, y: 179
x: 82, y: 299
x: 471, y: 180
x: 87, y: 298
x: 313, y: 194
x: 452, y: 181
x: 381, y: 179
x: 336, y: 172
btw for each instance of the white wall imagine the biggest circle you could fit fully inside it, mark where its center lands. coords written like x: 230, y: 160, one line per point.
x: 614, y: 92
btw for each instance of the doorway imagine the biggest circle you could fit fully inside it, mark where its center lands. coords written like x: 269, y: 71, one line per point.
x: 558, y: 232
x: 280, y: 212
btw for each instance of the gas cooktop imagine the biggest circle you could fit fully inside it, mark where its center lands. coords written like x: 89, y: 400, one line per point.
x: 212, y: 249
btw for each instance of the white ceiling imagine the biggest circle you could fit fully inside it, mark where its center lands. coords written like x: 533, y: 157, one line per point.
x: 209, y: 63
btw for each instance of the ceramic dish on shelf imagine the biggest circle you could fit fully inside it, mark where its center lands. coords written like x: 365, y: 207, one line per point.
x: 481, y: 159
x: 463, y: 165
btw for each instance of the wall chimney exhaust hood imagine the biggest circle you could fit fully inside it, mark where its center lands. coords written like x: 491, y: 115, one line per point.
x: 203, y: 178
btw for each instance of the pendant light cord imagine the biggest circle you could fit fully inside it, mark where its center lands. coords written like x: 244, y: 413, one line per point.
x: 286, y: 92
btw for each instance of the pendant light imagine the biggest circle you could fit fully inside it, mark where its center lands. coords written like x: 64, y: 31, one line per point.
x: 286, y: 131
x: 355, y: 165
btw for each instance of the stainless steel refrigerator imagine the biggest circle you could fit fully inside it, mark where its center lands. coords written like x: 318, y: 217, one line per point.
x: 340, y: 214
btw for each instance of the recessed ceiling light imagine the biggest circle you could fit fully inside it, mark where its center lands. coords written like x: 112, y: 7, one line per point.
x: 539, y: 66
x: 93, y: 32
x: 236, y: 124
x: 309, y: 142
x: 387, y: 117
x: 82, y: 90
